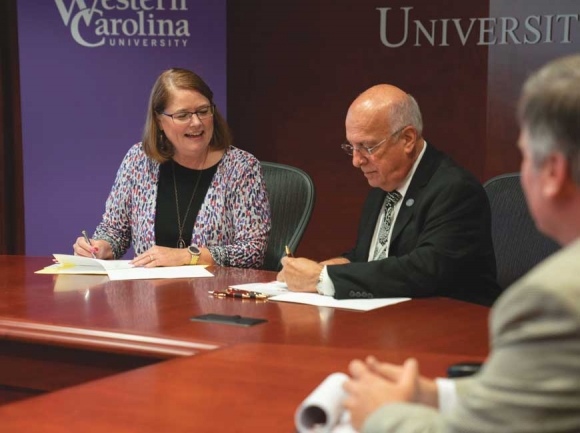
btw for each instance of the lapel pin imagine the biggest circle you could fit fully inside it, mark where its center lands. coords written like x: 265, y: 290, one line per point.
x: 410, y: 202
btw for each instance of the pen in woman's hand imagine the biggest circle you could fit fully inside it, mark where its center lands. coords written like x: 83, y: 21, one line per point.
x: 88, y: 241
x: 288, y: 252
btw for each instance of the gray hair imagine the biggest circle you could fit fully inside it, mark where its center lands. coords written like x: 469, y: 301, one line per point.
x: 406, y: 112
x: 549, y: 110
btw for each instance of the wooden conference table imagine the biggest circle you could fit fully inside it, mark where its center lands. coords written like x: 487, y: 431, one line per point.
x: 60, y: 331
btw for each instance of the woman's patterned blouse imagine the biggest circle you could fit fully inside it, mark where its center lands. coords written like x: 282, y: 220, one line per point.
x: 233, y: 222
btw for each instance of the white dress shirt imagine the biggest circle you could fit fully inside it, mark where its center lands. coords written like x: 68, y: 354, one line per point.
x: 447, y: 394
x: 325, y: 285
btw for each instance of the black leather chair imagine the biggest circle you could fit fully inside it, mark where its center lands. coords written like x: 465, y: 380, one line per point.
x: 291, y: 193
x: 518, y: 245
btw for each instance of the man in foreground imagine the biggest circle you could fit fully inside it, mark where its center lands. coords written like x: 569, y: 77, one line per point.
x: 531, y: 380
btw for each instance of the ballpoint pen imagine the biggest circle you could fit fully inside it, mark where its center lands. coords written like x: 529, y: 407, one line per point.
x: 288, y: 252
x: 88, y: 241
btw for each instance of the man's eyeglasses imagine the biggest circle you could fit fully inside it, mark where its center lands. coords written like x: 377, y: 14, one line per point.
x: 367, y: 151
x: 183, y: 117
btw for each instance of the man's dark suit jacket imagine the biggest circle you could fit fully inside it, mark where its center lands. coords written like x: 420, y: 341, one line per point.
x: 441, y: 242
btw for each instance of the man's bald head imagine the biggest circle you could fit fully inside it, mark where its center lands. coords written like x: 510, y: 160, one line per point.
x: 387, y: 105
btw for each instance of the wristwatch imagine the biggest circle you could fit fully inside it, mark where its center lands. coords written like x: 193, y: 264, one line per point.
x: 195, y: 253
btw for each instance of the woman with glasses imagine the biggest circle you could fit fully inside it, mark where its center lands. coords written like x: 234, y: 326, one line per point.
x: 184, y: 195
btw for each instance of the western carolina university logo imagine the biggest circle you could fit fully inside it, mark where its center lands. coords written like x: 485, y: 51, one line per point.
x: 126, y: 23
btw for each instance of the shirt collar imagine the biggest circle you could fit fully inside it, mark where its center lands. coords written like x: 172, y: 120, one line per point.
x: 405, y: 185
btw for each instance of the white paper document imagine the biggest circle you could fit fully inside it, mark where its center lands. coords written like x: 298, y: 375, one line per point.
x: 161, y: 272
x: 278, y: 291
x: 272, y: 288
x: 328, y: 301
x: 119, y: 269
x: 59, y: 269
x: 322, y: 410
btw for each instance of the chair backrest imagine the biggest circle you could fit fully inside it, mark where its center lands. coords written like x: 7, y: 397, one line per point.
x: 291, y: 193
x: 517, y: 243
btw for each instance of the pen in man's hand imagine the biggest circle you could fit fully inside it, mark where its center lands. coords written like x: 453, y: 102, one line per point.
x: 88, y: 241
x: 288, y: 252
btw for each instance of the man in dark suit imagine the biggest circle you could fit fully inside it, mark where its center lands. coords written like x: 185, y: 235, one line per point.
x: 425, y: 226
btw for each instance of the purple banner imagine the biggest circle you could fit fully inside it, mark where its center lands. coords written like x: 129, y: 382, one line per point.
x: 86, y: 69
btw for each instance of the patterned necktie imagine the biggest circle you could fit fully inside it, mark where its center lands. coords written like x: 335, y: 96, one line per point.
x: 392, y: 199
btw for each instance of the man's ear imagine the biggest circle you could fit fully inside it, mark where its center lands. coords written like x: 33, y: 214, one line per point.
x: 555, y: 175
x: 409, y: 134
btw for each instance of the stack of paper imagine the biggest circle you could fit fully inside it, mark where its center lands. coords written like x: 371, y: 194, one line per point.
x: 119, y: 269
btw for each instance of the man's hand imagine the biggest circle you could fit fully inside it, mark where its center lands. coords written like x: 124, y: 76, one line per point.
x: 301, y: 275
x: 427, y: 393
x: 368, y: 389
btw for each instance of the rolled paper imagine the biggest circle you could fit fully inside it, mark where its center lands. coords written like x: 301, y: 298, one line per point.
x: 322, y: 409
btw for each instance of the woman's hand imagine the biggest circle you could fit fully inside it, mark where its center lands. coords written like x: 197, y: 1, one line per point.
x: 164, y: 256
x: 100, y: 248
